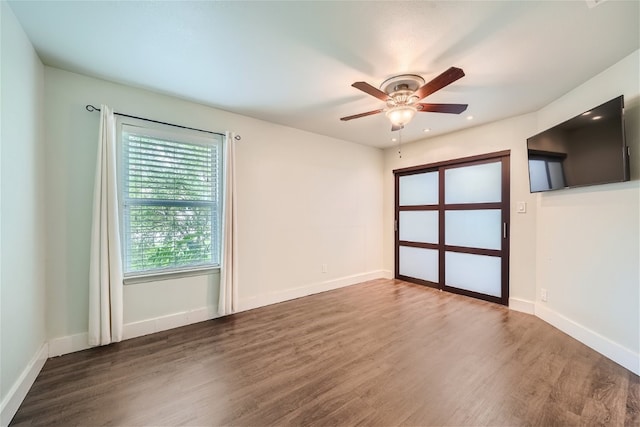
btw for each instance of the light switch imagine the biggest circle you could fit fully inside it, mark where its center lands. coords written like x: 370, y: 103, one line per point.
x: 521, y: 207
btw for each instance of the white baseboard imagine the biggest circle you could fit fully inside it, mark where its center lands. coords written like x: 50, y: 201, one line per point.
x: 614, y: 351
x: 163, y: 323
x: 289, y: 294
x: 387, y: 274
x: 522, y: 305
x: 78, y: 342
x: 18, y: 391
x: 69, y: 344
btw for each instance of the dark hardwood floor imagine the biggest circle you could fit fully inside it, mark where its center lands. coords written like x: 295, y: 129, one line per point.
x: 381, y: 353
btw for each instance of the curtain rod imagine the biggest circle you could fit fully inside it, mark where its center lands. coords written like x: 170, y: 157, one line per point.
x: 90, y: 108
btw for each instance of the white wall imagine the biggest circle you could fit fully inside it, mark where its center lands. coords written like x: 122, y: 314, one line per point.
x: 588, y: 239
x: 308, y: 200
x: 22, y: 269
x: 581, y: 245
x: 304, y: 200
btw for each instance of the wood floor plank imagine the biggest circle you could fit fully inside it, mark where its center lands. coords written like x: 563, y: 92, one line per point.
x: 606, y: 404
x: 632, y: 417
x: 380, y: 353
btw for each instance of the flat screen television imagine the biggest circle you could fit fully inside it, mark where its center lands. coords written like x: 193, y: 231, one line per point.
x: 588, y: 149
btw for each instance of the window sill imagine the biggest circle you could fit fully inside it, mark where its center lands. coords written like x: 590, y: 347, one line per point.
x: 168, y: 275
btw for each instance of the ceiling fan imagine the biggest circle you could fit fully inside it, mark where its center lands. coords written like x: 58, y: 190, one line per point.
x: 402, y: 93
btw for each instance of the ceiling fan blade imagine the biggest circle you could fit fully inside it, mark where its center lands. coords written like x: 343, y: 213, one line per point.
x: 367, y: 88
x: 444, y: 79
x: 357, y: 116
x: 442, y: 108
x: 395, y: 128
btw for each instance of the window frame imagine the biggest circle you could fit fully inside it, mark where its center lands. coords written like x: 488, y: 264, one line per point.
x: 153, y: 129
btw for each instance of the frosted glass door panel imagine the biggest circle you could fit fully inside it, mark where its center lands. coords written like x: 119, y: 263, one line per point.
x: 477, y: 273
x: 473, y: 184
x: 419, y: 226
x: 419, y: 189
x: 480, y: 228
x: 419, y: 263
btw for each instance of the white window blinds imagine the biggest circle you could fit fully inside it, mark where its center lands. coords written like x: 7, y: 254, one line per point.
x: 171, y: 200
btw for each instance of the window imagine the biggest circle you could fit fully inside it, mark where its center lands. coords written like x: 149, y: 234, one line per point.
x: 170, y: 200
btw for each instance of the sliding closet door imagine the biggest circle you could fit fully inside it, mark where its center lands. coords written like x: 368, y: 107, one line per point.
x: 452, y: 222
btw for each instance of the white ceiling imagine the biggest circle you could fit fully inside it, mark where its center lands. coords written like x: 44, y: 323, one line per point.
x: 293, y: 63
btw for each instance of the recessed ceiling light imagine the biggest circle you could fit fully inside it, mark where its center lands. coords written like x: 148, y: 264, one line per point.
x: 596, y: 117
x: 393, y: 139
x: 425, y: 130
x: 469, y: 117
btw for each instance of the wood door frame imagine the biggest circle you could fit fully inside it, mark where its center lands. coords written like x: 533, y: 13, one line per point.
x: 504, y: 205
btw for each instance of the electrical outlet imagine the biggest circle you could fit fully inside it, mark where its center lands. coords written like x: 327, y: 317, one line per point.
x: 324, y: 268
x: 543, y: 294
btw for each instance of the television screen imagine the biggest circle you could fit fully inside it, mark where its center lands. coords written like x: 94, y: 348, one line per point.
x: 585, y: 150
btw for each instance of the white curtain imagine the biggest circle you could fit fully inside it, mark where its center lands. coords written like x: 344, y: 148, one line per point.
x: 228, y: 302
x: 105, y: 268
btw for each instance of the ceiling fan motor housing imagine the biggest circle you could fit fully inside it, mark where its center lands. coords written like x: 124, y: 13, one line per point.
x: 401, y: 88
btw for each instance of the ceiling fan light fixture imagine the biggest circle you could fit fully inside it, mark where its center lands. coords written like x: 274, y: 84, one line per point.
x: 402, y: 93
x: 400, y: 115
